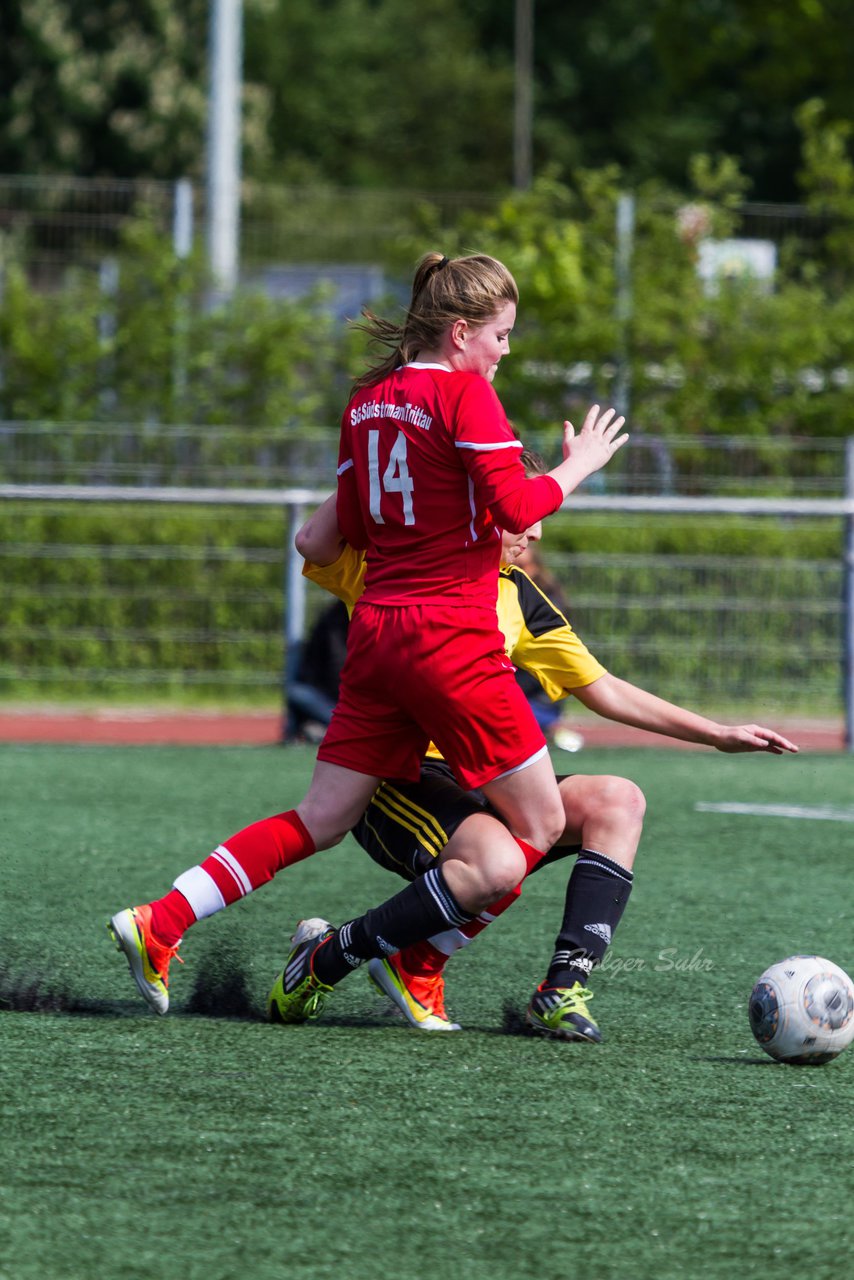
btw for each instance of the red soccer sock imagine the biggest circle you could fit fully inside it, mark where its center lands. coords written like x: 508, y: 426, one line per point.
x: 532, y: 856
x: 249, y: 859
x: 426, y: 958
x: 422, y: 958
x: 254, y: 855
x: 171, y: 917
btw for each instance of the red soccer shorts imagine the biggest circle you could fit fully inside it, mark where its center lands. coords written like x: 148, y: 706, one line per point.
x: 418, y: 673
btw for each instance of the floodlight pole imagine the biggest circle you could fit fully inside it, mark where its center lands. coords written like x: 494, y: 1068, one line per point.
x: 523, y: 111
x: 223, y: 157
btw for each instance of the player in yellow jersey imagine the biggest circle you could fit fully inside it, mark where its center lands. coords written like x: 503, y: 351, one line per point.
x: 408, y: 826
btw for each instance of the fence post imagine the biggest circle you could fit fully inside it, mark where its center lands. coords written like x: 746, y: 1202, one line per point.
x: 108, y: 287
x: 848, y: 597
x: 294, y: 619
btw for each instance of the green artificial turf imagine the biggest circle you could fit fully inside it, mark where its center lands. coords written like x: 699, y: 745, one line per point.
x: 210, y: 1145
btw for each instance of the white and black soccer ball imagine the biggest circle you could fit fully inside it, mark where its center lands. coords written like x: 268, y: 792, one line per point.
x: 802, y: 1010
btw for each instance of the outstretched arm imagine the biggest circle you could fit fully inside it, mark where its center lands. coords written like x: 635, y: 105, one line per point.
x: 616, y: 699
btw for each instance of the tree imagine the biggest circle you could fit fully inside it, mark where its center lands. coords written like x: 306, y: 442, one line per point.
x: 371, y: 93
x: 106, y: 88
x: 646, y: 84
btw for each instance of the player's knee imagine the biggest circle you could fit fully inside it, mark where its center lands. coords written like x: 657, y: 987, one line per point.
x: 326, y: 829
x: 477, y: 882
x: 624, y: 799
x: 503, y: 873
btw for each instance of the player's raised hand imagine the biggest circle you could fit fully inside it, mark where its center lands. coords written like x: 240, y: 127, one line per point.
x: 753, y: 737
x: 598, y: 436
x: 590, y: 449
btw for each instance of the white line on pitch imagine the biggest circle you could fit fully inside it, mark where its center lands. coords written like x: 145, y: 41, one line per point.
x: 820, y: 813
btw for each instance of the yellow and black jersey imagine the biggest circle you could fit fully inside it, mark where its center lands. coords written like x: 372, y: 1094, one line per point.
x: 538, y: 638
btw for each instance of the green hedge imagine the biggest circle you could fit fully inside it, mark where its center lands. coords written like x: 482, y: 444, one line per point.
x: 151, y: 602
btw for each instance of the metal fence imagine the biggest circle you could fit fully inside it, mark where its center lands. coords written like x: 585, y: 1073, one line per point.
x: 196, y: 594
x: 713, y: 631
x: 56, y: 222
x: 96, y: 453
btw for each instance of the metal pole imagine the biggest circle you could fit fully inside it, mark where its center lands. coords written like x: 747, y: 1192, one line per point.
x: 623, y: 306
x: 223, y: 160
x: 294, y: 619
x: 182, y: 244
x: 848, y: 597
x: 523, y: 112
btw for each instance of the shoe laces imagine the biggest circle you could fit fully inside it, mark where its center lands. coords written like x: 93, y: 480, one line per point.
x: 429, y: 989
x: 313, y: 1003
x: 436, y: 992
x: 574, y: 999
x: 160, y: 954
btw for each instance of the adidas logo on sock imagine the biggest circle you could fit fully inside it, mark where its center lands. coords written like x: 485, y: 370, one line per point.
x: 602, y: 931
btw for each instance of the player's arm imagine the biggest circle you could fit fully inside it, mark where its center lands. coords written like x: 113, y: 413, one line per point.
x: 319, y: 538
x: 329, y: 560
x: 619, y: 700
x: 491, y: 454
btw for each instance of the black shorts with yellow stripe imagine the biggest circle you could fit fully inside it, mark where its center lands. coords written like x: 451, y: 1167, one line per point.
x: 407, y: 824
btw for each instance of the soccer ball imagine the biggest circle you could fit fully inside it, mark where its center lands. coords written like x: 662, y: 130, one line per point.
x: 802, y: 1010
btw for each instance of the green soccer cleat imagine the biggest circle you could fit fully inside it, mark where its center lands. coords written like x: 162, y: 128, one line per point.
x: 420, y: 999
x: 148, y: 958
x: 297, y: 995
x: 562, y: 1012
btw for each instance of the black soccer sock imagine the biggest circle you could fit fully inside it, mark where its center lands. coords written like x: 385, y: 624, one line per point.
x: 424, y: 907
x: 596, y: 898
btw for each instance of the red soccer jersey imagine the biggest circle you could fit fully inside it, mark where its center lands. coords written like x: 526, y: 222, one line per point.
x: 429, y: 471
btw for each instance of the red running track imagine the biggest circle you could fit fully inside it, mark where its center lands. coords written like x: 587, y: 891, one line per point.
x: 128, y: 728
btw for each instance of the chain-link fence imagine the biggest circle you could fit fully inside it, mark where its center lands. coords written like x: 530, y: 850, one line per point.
x: 188, y: 601
x: 54, y: 223
x: 57, y: 222
x: 210, y: 456
x: 715, y: 631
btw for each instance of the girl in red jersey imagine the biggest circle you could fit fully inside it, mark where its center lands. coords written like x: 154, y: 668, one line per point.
x: 429, y: 473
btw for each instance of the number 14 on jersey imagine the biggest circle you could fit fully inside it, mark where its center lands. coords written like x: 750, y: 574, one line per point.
x: 394, y: 480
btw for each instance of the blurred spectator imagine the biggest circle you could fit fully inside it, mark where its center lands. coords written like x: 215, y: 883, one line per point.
x: 312, y: 694
x: 554, y: 725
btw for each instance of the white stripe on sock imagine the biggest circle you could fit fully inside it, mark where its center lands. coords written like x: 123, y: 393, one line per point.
x: 201, y: 891
x: 443, y: 899
x: 228, y: 860
x: 449, y: 941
